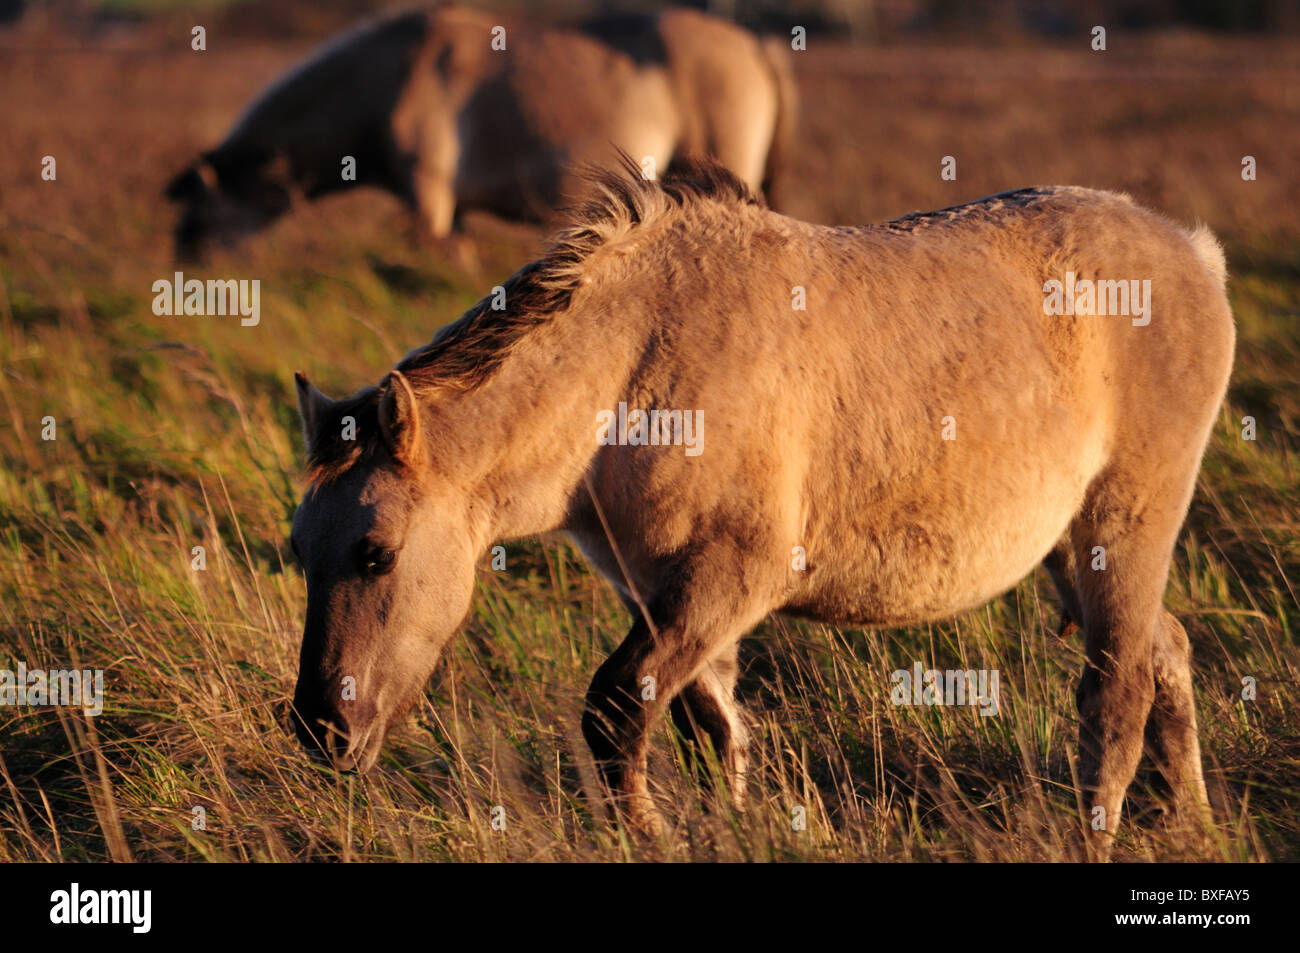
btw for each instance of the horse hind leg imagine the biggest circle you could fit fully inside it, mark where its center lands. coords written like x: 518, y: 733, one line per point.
x: 705, y: 713
x: 1060, y: 565
x: 1122, y: 544
x: 1135, y: 693
x: 1171, y: 733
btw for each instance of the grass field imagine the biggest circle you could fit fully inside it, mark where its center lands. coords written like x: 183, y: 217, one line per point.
x: 181, y: 432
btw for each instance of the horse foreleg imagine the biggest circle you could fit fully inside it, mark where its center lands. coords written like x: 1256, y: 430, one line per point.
x: 687, y: 639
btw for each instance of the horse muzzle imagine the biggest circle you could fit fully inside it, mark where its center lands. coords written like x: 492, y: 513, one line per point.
x: 348, y: 735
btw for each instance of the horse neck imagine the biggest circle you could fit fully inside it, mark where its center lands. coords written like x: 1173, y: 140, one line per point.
x: 520, y: 442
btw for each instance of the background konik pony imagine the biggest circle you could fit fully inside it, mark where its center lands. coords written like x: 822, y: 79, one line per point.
x: 824, y: 431
x: 431, y: 111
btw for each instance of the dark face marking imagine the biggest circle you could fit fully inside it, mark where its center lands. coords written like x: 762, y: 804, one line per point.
x: 389, y: 578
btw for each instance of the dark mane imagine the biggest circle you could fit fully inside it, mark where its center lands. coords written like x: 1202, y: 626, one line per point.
x: 465, y: 353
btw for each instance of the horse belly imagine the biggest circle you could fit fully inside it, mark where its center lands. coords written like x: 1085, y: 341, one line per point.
x: 918, y: 560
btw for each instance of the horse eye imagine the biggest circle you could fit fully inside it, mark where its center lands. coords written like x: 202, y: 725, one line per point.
x: 378, y: 561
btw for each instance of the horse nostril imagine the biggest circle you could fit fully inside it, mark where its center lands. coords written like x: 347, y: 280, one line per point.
x: 318, y: 731
x: 339, y: 733
x: 344, y: 760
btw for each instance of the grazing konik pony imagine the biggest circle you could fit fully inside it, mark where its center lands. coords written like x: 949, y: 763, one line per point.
x: 922, y: 427
x: 431, y: 108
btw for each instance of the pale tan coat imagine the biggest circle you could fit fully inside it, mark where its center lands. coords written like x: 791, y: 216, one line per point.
x: 824, y: 429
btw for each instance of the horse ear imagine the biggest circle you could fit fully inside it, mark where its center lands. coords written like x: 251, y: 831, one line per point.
x: 192, y: 181
x: 279, y: 169
x: 399, y: 419
x: 312, y: 405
